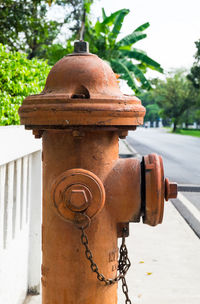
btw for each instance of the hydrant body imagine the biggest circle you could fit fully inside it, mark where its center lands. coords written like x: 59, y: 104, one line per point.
x: 80, y: 115
x: 66, y: 273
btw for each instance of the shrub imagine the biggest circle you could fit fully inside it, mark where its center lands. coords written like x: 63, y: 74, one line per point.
x: 19, y: 77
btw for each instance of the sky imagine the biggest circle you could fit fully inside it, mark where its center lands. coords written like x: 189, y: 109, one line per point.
x: 174, y: 27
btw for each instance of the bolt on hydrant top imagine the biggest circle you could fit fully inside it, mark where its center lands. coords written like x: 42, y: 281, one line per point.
x: 81, y: 90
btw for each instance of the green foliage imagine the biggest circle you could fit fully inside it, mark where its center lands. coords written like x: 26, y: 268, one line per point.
x: 152, y: 108
x: 87, y: 4
x: 24, y: 26
x: 124, y: 59
x: 19, y: 77
x: 176, y: 97
x: 56, y: 51
x: 152, y: 112
x: 189, y: 132
x: 194, y: 75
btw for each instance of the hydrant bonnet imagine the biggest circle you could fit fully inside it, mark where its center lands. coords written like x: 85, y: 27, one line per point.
x: 81, y: 90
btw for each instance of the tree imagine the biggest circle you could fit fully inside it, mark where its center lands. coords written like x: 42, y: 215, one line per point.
x: 124, y: 58
x: 194, y: 75
x: 153, y: 113
x: 152, y: 109
x: 175, y: 96
x: 24, y: 25
x: 19, y: 77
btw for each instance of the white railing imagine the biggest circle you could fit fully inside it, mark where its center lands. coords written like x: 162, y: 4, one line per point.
x: 20, y: 214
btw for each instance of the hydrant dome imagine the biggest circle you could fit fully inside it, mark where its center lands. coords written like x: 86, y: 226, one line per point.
x: 81, y: 90
x: 83, y: 76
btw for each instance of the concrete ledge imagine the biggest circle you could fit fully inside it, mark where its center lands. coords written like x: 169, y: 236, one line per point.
x: 16, y: 142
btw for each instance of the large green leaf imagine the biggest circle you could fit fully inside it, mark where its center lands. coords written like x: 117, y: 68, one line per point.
x: 130, y: 48
x: 132, y: 38
x: 138, y: 74
x: 120, y: 68
x: 110, y: 20
x: 103, y: 14
x: 139, y: 55
x: 124, y: 47
x: 142, y: 27
x: 118, y: 23
x: 142, y: 66
x: 100, y: 27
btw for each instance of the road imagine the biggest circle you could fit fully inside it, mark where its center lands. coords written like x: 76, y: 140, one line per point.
x: 181, y: 157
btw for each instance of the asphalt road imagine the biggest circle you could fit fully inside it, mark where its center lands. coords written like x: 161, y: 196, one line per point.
x: 181, y: 158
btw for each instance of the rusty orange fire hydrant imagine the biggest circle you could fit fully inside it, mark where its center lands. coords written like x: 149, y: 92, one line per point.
x: 80, y: 116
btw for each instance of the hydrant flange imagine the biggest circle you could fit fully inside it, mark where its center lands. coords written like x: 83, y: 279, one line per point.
x: 155, y: 189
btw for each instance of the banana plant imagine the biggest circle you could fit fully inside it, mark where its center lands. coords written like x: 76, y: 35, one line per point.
x: 126, y: 60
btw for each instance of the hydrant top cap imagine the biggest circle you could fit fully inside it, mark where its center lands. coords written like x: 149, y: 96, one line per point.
x: 81, y: 90
x: 83, y: 75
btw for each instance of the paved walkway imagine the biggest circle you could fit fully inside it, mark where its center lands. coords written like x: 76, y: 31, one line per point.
x: 165, y: 263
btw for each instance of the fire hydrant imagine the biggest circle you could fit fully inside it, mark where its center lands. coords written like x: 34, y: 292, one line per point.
x: 80, y: 116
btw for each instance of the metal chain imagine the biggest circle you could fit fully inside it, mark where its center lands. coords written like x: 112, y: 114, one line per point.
x: 125, y: 290
x: 123, y: 264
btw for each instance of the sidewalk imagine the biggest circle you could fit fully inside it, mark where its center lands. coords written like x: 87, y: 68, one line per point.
x: 165, y: 262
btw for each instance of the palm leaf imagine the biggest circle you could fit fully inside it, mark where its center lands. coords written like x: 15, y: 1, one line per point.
x: 111, y: 19
x: 120, y: 68
x: 103, y: 14
x: 100, y: 27
x: 125, y: 47
x: 118, y: 23
x: 138, y: 74
x: 142, y: 66
x: 139, y: 51
x: 132, y: 38
x: 139, y: 55
x: 142, y: 27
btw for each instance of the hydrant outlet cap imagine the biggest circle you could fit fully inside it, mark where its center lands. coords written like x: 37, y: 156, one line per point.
x: 81, y: 90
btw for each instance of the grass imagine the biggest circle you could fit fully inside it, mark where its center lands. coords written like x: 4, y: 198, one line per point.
x: 191, y: 132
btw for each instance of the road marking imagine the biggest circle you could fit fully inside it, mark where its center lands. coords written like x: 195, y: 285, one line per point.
x: 188, y: 188
x: 193, y: 210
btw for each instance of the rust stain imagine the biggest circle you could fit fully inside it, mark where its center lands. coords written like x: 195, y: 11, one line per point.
x: 113, y: 255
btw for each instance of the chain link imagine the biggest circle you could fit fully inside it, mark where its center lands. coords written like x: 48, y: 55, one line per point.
x: 123, y: 264
x: 125, y: 290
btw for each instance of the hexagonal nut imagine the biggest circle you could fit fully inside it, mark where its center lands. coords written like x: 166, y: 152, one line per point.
x: 171, y: 189
x: 78, y: 199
